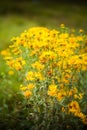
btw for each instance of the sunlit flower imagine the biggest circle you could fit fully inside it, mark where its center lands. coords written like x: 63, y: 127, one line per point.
x: 61, y: 95
x: 30, y: 76
x: 10, y: 72
x: 74, y: 107
x: 52, y: 90
x: 27, y: 93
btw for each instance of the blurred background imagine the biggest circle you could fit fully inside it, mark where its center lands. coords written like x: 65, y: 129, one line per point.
x: 19, y: 15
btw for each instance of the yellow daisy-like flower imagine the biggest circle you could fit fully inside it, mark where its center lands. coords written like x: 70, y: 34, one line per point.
x: 74, y: 107
x: 30, y: 76
x: 27, y: 93
x: 30, y: 86
x: 62, y: 25
x: 37, y: 65
x: 84, y: 120
x: 52, y: 90
x: 61, y: 95
x: 10, y: 72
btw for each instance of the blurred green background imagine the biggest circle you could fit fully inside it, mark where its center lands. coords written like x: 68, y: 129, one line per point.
x: 19, y: 15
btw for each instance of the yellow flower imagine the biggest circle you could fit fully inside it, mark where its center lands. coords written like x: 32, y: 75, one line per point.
x: 39, y: 76
x: 81, y: 115
x: 17, y: 66
x: 78, y: 96
x: 44, y: 57
x: 10, y: 63
x: 52, y: 90
x: 10, y: 72
x: 74, y: 107
x: 38, y: 65
x: 8, y: 58
x: 72, y: 91
x: 23, y: 88
x: 62, y: 25
x: 27, y: 93
x: 84, y: 120
x: 48, y: 55
x: 30, y: 76
x: 64, y: 36
x: 81, y: 30
x: 5, y: 52
x: 30, y: 86
x: 63, y: 109
x: 61, y: 95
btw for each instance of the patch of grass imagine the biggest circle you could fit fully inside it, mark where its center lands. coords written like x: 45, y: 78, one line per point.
x: 12, y: 26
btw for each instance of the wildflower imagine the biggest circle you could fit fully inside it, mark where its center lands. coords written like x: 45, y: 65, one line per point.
x: 50, y: 60
x: 30, y: 76
x: 72, y: 91
x: 62, y: 25
x: 48, y: 55
x: 52, y: 90
x: 84, y: 120
x: 23, y: 88
x: 38, y: 65
x: 5, y: 52
x: 16, y: 51
x: 63, y: 109
x: 81, y: 30
x: 78, y: 96
x: 74, y: 107
x: 10, y: 72
x: 39, y: 76
x: 30, y: 86
x: 61, y: 95
x: 27, y: 93
x: 17, y: 66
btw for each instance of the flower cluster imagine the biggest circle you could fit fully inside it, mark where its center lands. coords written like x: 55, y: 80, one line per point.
x: 50, y: 63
